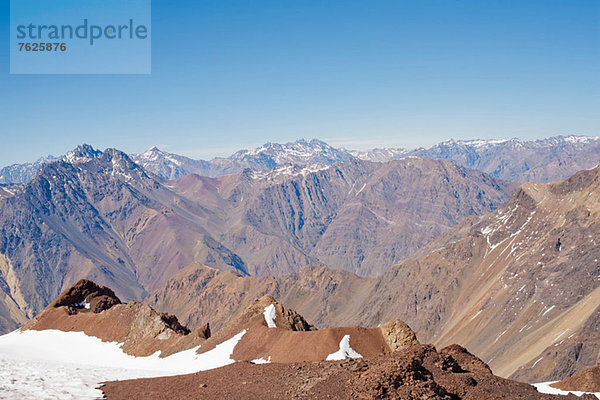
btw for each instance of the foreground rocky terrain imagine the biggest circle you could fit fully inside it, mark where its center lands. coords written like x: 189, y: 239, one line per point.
x: 97, y: 311
x: 416, y: 372
x: 267, y: 351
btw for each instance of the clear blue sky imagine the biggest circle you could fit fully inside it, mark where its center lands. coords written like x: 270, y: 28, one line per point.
x: 234, y: 74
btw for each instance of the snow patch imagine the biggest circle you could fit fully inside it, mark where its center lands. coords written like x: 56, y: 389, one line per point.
x: 262, y: 360
x: 544, y: 387
x: 270, y: 315
x: 548, y: 310
x: 345, y: 351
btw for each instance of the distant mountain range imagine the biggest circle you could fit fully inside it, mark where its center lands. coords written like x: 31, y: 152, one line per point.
x: 509, y: 159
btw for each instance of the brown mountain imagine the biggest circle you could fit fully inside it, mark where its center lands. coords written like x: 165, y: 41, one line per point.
x: 358, y: 216
x: 198, y: 293
x: 100, y: 216
x: 517, y: 286
x: 587, y: 380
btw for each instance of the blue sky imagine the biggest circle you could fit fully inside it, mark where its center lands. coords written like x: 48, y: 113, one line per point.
x: 235, y: 74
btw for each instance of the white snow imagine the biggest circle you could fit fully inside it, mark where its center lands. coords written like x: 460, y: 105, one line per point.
x: 580, y: 139
x: 537, y: 361
x: 287, y: 170
x: 544, y: 387
x: 270, y: 315
x: 476, y: 315
x: 548, y: 310
x: 345, y: 351
x: 84, y: 304
x: 53, y: 364
x: 262, y: 360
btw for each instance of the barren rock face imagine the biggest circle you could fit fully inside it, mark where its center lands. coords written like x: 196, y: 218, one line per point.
x: 286, y: 318
x: 398, y: 334
x: 98, y: 298
x: 105, y: 218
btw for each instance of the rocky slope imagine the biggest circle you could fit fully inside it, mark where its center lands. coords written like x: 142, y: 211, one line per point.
x: 358, y: 216
x: 511, y: 286
x: 273, y: 333
x: 198, y: 293
x: 102, y: 218
x: 416, y: 372
x: 587, y: 380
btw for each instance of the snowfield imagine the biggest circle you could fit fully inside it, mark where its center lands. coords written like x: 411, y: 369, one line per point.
x: 53, y: 364
x: 545, y: 387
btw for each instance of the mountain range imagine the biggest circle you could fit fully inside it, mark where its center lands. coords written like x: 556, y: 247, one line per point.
x: 518, y: 160
x: 507, y: 269
x: 517, y: 286
x: 101, y: 216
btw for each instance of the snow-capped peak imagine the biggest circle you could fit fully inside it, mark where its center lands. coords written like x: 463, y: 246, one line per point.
x: 300, y: 152
x: 82, y: 153
x: 288, y: 170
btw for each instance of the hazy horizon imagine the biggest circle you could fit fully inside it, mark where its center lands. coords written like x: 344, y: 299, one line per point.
x: 226, y: 152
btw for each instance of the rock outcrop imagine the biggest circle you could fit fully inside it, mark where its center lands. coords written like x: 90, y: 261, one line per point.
x: 97, y: 311
x: 86, y: 295
x: 398, y: 335
x: 279, y: 334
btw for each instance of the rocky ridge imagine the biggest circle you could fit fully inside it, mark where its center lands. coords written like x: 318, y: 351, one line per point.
x: 97, y: 311
x: 587, y: 380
